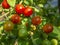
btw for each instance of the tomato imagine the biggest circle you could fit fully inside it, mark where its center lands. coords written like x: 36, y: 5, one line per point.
x: 36, y: 20
x: 28, y: 11
x: 54, y: 42
x: 8, y: 26
x: 22, y: 33
x: 46, y: 42
x: 5, y: 4
x: 48, y: 28
x: 15, y: 18
x: 19, y: 8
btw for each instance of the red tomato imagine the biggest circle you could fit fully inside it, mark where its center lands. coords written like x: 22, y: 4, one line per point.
x: 28, y: 11
x: 5, y: 4
x: 47, y: 28
x: 19, y: 8
x: 36, y: 20
x: 15, y: 18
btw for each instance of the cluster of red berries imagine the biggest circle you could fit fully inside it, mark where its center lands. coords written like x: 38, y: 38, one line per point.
x: 19, y: 8
x: 26, y: 11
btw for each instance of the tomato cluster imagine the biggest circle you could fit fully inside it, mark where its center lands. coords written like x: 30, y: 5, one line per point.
x: 20, y: 9
x: 27, y: 12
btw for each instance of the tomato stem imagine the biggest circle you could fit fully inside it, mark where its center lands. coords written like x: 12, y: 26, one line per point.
x: 20, y: 2
x: 34, y: 43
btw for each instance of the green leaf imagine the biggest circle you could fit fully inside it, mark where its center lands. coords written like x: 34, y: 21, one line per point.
x: 11, y: 2
x: 21, y: 26
x: 1, y: 1
x: 31, y: 1
x: 26, y: 2
x: 36, y: 10
x: 24, y: 21
x: 57, y: 31
x: 1, y: 28
x: 41, y: 5
x: 52, y: 35
x: 1, y: 23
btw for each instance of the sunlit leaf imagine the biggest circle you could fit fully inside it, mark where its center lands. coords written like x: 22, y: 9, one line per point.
x: 11, y: 2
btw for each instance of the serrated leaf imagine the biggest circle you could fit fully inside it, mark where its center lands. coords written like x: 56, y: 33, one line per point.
x: 11, y: 2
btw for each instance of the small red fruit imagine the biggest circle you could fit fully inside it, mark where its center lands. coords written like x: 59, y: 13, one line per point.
x: 47, y: 28
x: 5, y: 4
x: 36, y: 20
x: 19, y: 8
x: 28, y: 11
x: 15, y: 18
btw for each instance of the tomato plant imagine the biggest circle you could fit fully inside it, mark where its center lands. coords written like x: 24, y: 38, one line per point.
x: 15, y: 18
x: 5, y: 4
x: 29, y: 22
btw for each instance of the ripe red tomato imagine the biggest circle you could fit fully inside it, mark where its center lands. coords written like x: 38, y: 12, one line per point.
x: 47, y: 28
x: 5, y: 4
x: 36, y: 20
x: 28, y: 11
x: 19, y: 8
x: 8, y: 26
x: 15, y: 18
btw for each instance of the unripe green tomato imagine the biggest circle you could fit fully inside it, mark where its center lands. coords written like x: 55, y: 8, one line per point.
x: 8, y: 26
x: 54, y: 42
x: 46, y: 42
x: 22, y: 33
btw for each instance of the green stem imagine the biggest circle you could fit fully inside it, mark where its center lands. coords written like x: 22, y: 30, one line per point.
x: 34, y: 43
x: 21, y: 2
